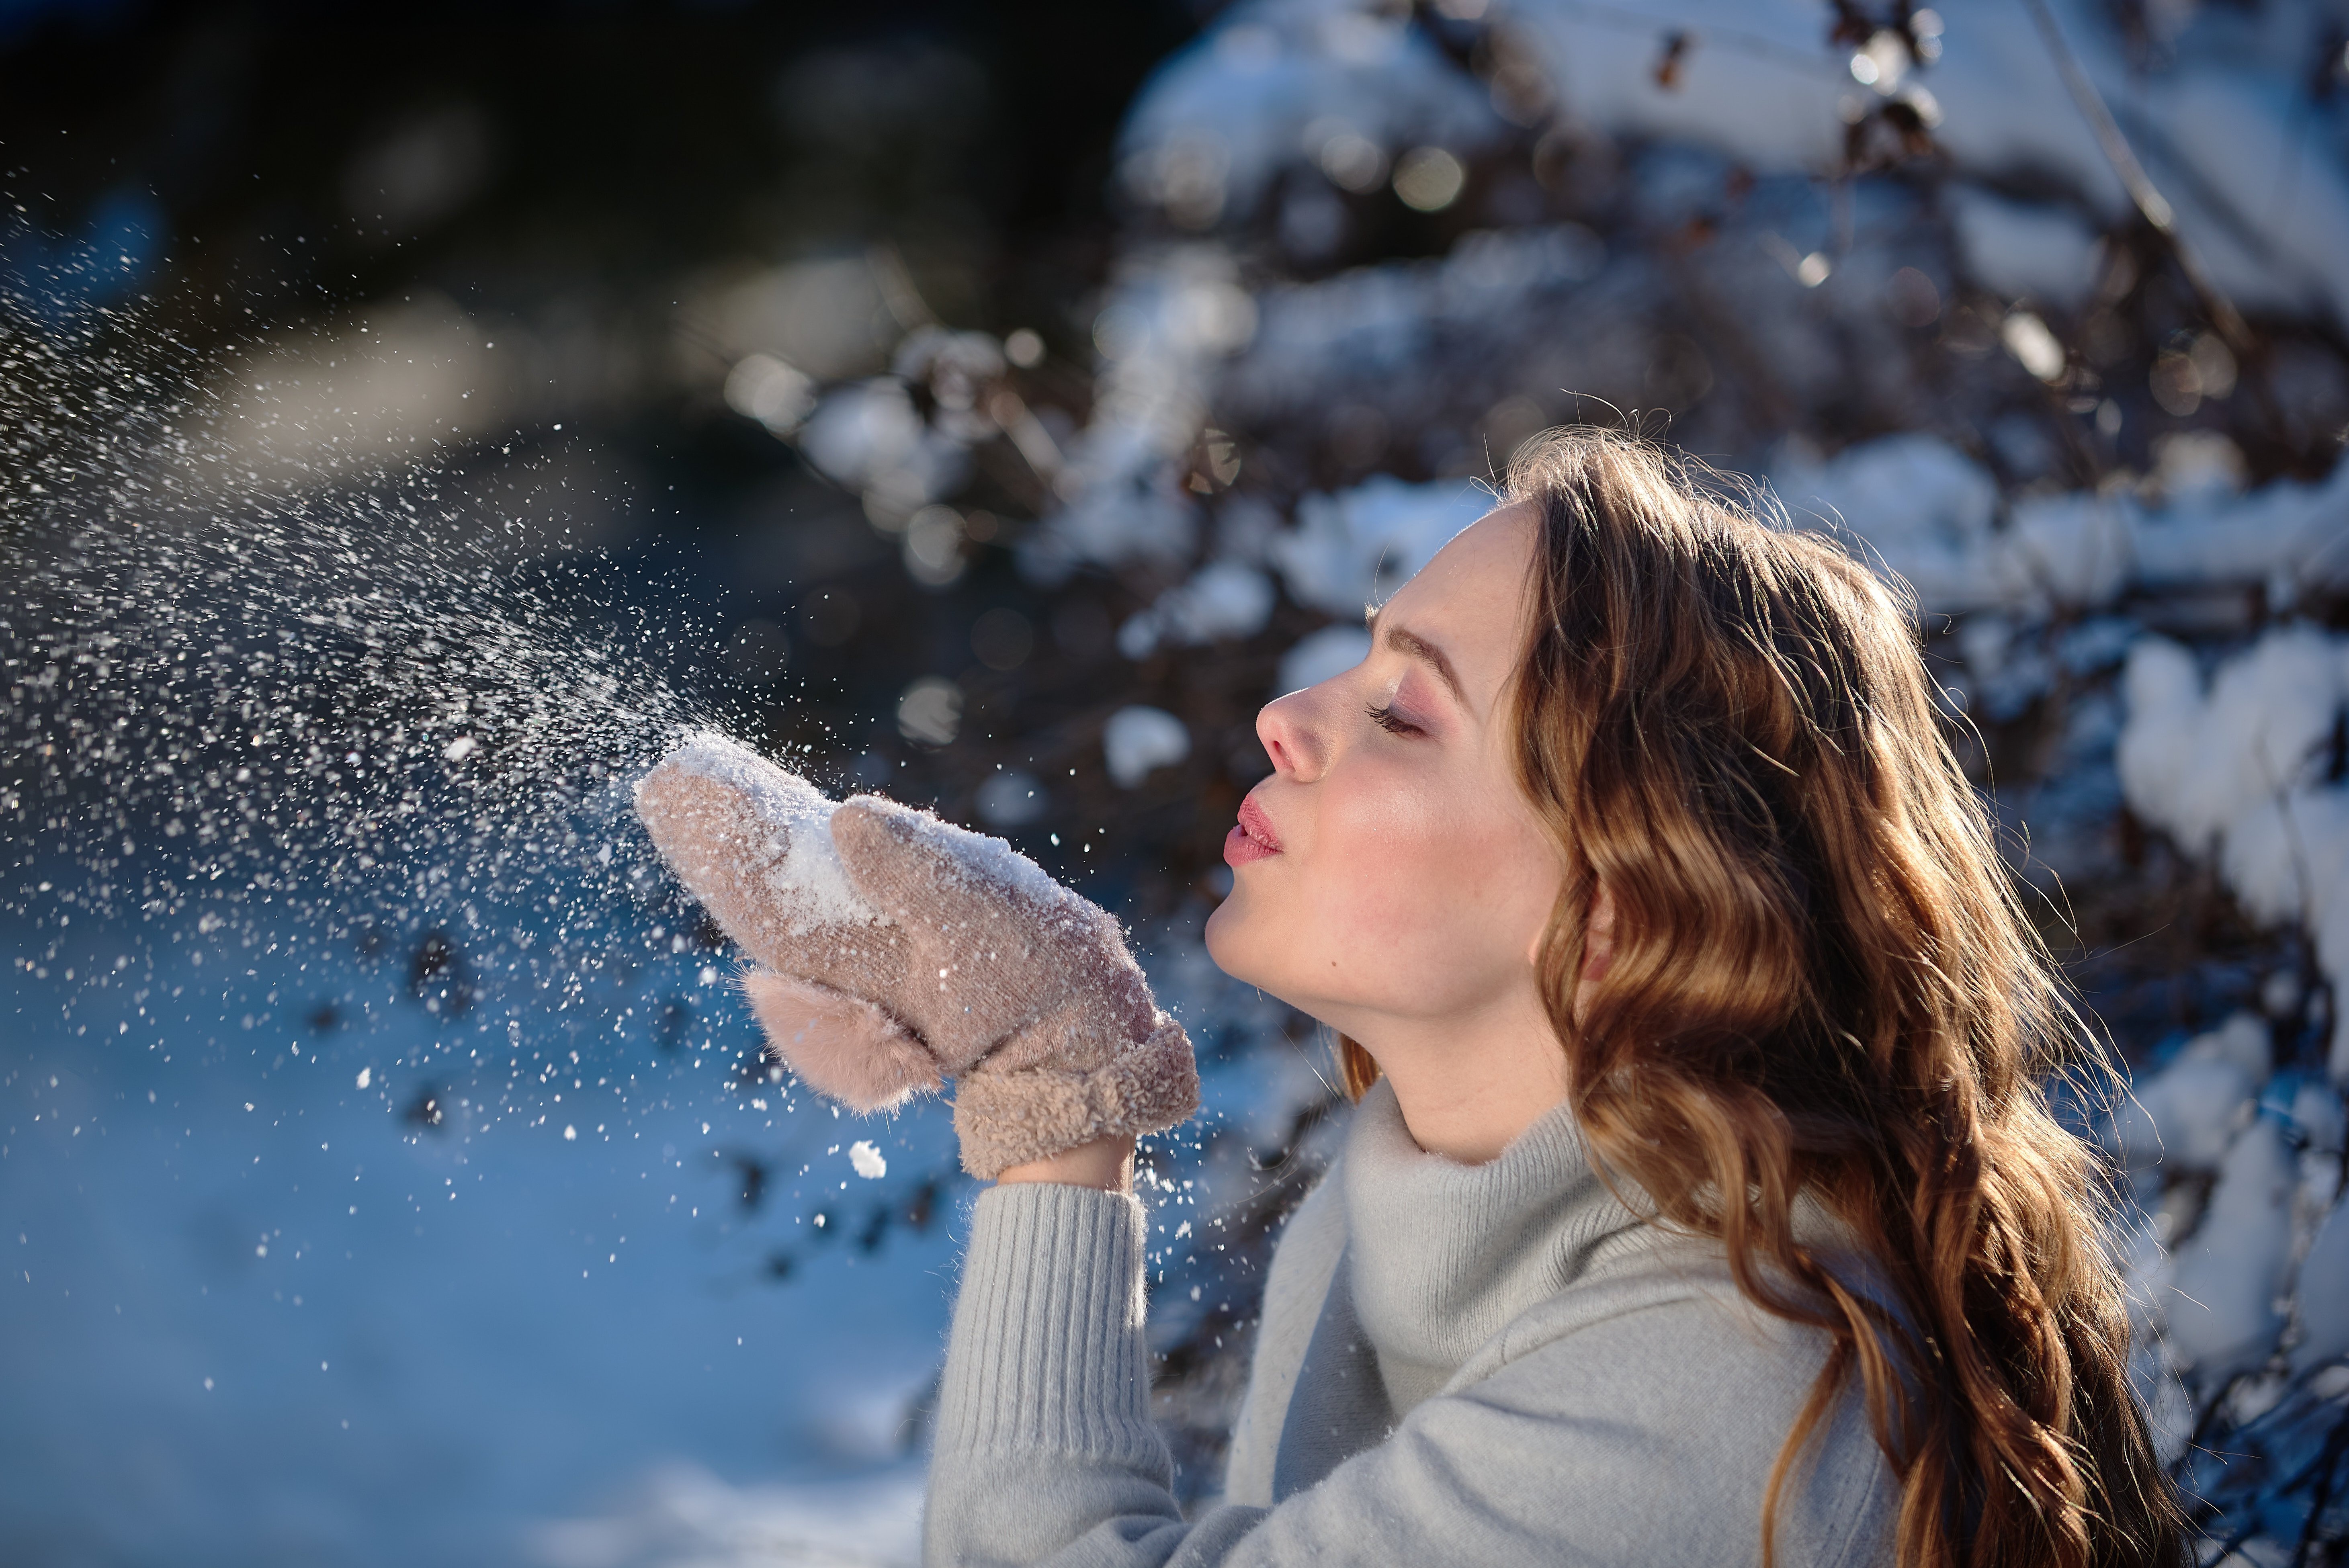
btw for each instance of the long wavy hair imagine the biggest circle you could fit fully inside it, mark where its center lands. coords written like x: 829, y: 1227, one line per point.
x: 1823, y: 982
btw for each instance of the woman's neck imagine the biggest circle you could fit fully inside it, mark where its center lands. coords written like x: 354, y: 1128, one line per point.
x: 1467, y: 1088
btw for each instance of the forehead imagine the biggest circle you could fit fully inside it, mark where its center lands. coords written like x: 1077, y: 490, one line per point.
x: 1485, y: 564
x: 1471, y: 599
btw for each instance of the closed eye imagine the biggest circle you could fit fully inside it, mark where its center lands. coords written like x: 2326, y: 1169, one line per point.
x: 1385, y: 716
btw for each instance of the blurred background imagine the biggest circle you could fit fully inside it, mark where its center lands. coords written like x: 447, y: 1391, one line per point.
x: 410, y: 423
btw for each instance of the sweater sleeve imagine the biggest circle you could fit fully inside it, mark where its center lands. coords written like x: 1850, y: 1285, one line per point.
x: 1643, y: 1436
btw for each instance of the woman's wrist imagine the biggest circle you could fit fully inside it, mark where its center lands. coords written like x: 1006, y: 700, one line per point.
x: 1106, y: 1163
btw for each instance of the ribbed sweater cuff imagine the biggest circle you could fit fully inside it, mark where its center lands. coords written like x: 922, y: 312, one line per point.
x: 1047, y: 1351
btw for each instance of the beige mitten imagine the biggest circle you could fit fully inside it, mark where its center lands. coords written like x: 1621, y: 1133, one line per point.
x: 900, y: 950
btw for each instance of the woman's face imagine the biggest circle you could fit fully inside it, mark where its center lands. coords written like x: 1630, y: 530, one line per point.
x: 1390, y: 871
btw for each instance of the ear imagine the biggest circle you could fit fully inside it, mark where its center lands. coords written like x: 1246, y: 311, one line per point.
x: 1598, y: 935
x: 1597, y: 946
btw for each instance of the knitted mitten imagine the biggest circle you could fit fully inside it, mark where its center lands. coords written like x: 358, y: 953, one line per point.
x: 899, y: 950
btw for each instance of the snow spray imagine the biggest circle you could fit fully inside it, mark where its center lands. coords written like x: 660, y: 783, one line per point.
x: 281, y: 706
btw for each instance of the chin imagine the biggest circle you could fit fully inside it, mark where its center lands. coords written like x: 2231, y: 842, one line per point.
x: 1221, y: 935
x: 1235, y: 940
x: 1252, y: 949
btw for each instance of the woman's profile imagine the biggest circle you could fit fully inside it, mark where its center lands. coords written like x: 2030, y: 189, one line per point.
x: 1701, y: 1202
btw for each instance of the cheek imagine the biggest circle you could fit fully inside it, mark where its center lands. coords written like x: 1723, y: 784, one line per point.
x: 1429, y: 867
x: 1410, y: 891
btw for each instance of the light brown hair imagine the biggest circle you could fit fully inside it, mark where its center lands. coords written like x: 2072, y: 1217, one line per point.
x: 1823, y: 982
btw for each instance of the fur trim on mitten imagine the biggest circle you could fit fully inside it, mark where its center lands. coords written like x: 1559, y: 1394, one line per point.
x: 1006, y: 1119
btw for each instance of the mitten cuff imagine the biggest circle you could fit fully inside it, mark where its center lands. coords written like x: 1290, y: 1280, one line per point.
x: 1006, y: 1119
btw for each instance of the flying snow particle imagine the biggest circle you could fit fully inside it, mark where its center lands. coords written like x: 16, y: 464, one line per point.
x: 867, y: 1160
x: 570, y: 1134
x: 367, y: 1076
x: 460, y: 749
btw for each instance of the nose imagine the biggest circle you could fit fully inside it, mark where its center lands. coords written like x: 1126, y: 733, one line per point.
x: 1290, y: 736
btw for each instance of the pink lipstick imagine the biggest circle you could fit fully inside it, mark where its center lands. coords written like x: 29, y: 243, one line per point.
x: 1252, y: 838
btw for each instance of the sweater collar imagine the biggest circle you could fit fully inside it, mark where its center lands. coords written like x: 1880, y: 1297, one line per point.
x: 1442, y: 1256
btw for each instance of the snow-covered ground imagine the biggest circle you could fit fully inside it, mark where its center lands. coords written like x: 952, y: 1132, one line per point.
x: 259, y: 1311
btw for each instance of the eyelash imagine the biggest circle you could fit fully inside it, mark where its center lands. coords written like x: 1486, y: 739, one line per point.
x: 1383, y: 716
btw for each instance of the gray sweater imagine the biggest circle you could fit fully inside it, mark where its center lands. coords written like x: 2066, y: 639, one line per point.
x: 1489, y: 1365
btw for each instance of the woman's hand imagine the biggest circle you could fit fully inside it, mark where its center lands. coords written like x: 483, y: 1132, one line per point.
x: 899, y: 950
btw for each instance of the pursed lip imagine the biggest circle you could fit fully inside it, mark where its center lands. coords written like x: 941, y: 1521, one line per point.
x: 1253, y: 838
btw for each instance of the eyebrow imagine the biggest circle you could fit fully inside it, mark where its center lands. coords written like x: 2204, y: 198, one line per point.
x: 1413, y: 645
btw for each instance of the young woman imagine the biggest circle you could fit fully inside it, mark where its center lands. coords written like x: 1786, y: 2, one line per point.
x: 1699, y: 1204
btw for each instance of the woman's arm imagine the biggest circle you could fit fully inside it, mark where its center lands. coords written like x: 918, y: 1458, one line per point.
x: 1642, y: 1434
x: 1106, y: 1163
x: 1045, y: 1431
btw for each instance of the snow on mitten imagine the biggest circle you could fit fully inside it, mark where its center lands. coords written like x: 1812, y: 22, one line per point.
x: 753, y: 843
x: 900, y: 949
